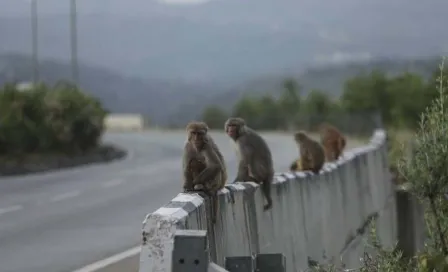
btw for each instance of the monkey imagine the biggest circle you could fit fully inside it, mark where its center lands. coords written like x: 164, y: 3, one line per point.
x: 255, y: 158
x: 312, y: 154
x: 333, y: 141
x: 204, y: 168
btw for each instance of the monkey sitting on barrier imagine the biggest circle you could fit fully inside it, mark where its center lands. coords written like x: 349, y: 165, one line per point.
x: 203, y: 164
x: 255, y: 158
x: 312, y: 154
x: 333, y: 142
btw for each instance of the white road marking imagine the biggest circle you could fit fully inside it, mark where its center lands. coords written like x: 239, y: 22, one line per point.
x: 10, y: 209
x: 111, y: 260
x: 112, y: 183
x: 65, y: 196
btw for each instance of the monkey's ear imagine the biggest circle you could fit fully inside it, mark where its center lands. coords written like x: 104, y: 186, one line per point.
x: 204, y: 126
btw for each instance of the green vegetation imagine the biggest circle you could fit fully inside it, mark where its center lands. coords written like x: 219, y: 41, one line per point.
x: 426, y: 173
x: 399, y: 99
x: 43, y: 119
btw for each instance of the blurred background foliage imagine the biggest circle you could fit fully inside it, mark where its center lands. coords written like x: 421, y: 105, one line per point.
x: 42, y: 119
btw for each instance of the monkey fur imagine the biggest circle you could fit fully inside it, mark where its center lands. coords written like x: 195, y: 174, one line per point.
x: 255, y: 158
x: 333, y: 142
x: 204, y: 168
x: 312, y: 154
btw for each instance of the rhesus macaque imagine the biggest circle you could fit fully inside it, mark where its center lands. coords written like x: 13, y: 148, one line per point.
x: 255, y: 158
x: 312, y: 154
x: 333, y: 142
x: 204, y: 168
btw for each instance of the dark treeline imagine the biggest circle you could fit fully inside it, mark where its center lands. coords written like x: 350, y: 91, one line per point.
x: 400, y: 99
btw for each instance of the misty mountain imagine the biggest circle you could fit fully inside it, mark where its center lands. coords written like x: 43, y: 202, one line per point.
x: 120, y: 94
x: 227, y: 41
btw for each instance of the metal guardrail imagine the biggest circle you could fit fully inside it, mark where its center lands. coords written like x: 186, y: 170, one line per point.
x: 191, y: 254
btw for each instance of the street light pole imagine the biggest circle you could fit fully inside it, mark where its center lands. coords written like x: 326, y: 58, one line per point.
x: 74, y: 42
x: 34, y: 34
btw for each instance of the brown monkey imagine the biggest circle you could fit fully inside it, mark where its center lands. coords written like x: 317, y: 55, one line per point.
x: 333, y: 141
x: 312, y: 154
x: 203, y: 164
x: 255, y: 158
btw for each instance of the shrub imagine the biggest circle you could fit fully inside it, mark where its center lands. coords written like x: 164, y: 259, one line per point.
x: 423, y: 164
x: 48, y: 119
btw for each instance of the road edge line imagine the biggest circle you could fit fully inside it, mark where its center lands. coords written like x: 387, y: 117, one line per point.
x: 110, y: 260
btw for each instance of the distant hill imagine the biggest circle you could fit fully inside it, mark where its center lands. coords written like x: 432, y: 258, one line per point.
x: 153, y: 98
x: 329, y: 79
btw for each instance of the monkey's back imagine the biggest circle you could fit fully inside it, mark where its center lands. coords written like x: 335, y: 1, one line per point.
x: 262, y: 156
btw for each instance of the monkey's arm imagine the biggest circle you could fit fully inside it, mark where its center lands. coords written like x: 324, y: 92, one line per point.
x: 212, y: 169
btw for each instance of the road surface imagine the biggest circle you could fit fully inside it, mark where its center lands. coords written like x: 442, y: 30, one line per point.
x: 64, y: 220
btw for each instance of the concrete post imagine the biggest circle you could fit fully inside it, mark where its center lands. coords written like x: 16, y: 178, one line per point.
x: 410, y: 222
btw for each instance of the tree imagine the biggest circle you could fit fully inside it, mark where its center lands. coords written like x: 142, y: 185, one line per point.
x: 289, y: 101
x: 408, y: 99
x: 270, y: 114
x: 426, y: 169
x: 367, y: 93
x: 248, y: 108
x: 214, y: 117
x: 318, y: 103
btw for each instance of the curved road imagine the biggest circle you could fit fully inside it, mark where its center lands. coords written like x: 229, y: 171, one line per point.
x: 61, y: 221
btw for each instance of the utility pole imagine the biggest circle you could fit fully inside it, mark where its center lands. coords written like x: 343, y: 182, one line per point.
x: 74, y: 42
x: 34, y: 34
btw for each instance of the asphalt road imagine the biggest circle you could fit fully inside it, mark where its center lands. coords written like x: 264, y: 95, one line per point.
x: 63, y: 220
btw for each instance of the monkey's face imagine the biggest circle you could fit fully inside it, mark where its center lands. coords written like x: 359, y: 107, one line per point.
x: 232, y: 131
x: 197, y: 138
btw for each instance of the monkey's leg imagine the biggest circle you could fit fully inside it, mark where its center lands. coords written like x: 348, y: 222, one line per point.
x: 188, y: 181
x: 265, y: 188
x: 243, y: 172
x: 336, y: 150
x: 198, y: 187
x: 329, y: 149
x: 341, y: 146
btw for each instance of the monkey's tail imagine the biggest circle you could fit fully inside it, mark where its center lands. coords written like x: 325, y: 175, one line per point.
x: 214, y: 207
x: 266, y: 188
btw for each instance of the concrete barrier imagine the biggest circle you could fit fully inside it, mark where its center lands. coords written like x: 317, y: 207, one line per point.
x: 320, y: 217
x: 124, y: 122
